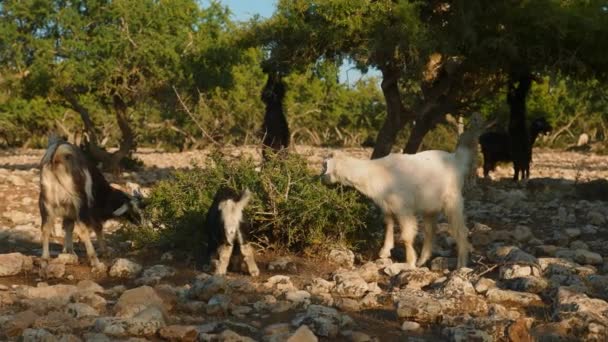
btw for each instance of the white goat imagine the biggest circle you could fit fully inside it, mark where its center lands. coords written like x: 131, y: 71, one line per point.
x: 404, y: 185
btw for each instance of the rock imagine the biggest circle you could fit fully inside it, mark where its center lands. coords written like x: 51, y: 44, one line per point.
x: 342, y: 257
x: 320, y: 285
x: 277, y: 329
x: 410, y: 326
x: 324, y: 321
x: 520, y: 331
x: 218, y: 304
x: 298, y: 297
x: 415, y: 278
x: 516, y: 271
x: 396, y: 268
x: 52, y: 270
x: 357, y: 336
x: 167, y: 256
x: 66, y: 259
x: 154, y: 274
x: 350, y: 284
x: 587, y: 257
x: 572, y: 233
x: 458, y: 284
x: 571, y: 303
x: 596, y: 218
x: 464, y: 333
x: 145, y: 323
x: 283, y: 264
x: 58, y: 294
x: 90, y: 298
x: 369, y: 272
x: 510, y: 254
x: 419, y: 306
x: 125, y: 268
x: 348, y: 304
x: 303, y: 334
x: 545, y: 250
x: 231, y: 336
x: 583, y: 139
x: 484, y: 284
x: 16, y: 180
x: 19, y: 323
x: 205, y: 289
x: 37, y: 335
x: 89, y: 286
x: 522, y: 233
x: 441, y: 264
x: 176, y: 333
x: 136, y: 300
x: 578, y: 244
x: 80, y: 310
x: 498, y: 295
x: 15, y: 263
x: 527, y: 284
x: 280, y: 284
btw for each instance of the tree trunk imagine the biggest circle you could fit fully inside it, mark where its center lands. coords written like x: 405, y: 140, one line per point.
x: 275, y: 129
x: 109, y: 161
x: 396, y: 114
x: 421, y: 128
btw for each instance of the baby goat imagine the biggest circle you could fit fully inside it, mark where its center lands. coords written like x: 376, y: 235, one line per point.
x: 224, y: 228
x: 73, y: 189
x: 496, y: 147
x: 404, y: 185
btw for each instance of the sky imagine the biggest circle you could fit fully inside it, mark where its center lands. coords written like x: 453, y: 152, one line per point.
x: 245, y: 9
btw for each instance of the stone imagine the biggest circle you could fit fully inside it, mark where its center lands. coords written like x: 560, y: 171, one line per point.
x: 15, y: 263
x: 527, y: 284
x: 320, y: 285
x: 303, y: 334
x: 16, y: 180
x: 136, y: 300
x: 458, y: 284
x: 572, y: 233
x: 415, y: 278
x: 90, y: 298
x: 66, y: 259
x: 520, y: 331
x: 484, y: 284
x: 350, y: 284
x: 464, y: 333
x: 511, y: 271
x: 283, y: 264
x: 522, y: 233
x: 277, y: 329
x: 570, y: 302
x: 207, y: 288
x: 358, y: 336
x: 442, y: 264
x: 52, y: 270
x: 497, y: 295
x: 348, y: 304
x: 279, y: 284
x: 125, y: 268
x: 587, y: 257
x: 89, y: 286
x: 510, y: 254
x: 58, y: 294
x: 177, y: 333
x: 80, y: 310
x: 19, y: 323
x: 218, y: 304
x: 37, y: 335
x: 396, y: 268
x: 298, y: 297
x: 369, y: 272
x: 410, y: 326
x: 323, y: 321
x: 596, y: 218
x: 154, y: 274
x: 342, y: 257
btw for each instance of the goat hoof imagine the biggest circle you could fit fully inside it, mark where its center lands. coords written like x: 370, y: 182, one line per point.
x: 384, y: 254
x: 254, y: 273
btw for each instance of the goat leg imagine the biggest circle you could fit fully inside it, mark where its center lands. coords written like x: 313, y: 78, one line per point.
x: 103, y: 247
x: 224, y: 252
x: 389, y: 237
x: 47, y: 226
x: 430, y: 225
x: 68, y: 241
x: 85, y: 237
x: 409, y: 228
x: 248, y: 257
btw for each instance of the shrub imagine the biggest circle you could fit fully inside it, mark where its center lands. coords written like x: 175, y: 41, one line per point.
x: 290, y: 208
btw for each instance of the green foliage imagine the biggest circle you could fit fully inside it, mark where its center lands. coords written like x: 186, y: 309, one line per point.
x: 290, y: 208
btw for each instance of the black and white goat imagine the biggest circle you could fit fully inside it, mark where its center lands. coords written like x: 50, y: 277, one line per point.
x: 404, y: 185
x: 73, y: 189
x: 496, y: 147
x: 225, y: 229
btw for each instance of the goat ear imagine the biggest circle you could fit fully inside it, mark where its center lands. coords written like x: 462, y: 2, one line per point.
x: 121, y: 210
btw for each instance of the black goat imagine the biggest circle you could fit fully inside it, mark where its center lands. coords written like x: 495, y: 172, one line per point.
x: 225, y: 228
x: 496, y: 147
x: 73, y: 189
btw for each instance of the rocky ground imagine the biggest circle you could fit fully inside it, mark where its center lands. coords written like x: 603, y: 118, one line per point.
x: 537, y: 272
